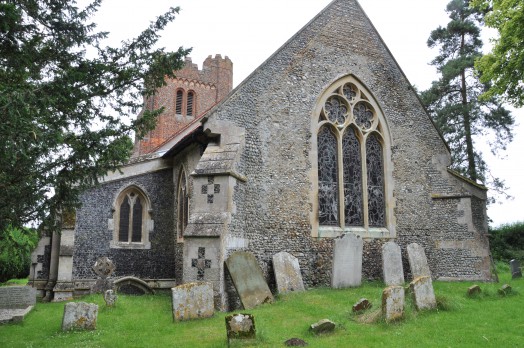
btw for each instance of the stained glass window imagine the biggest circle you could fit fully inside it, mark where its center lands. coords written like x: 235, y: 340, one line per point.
x: 327, y: 177
x: 352, y: 179
x: 130, y: 217
x: 351, y: 171
x: 123, y: 234
x: 137, y: 221
x: 375, y: 167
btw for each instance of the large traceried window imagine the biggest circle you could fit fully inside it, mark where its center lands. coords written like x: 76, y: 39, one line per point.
x: 182, y: 205
x: 351, y: 160
x: 131, y: 219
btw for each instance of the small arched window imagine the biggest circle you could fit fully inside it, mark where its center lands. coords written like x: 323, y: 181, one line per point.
x: 182, y: 205
x: 131, y: 219
x: 179, y: 101
x: 190, y: 103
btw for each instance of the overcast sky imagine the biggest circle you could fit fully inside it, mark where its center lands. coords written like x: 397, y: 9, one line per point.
x: 249, y: 31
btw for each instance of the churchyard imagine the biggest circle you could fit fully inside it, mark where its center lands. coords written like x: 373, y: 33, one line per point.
x: 486, y: 319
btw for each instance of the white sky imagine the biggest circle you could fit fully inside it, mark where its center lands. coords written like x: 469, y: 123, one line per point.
x: 249, y: 31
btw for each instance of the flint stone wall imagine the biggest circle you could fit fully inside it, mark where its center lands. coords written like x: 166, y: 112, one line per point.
x: 273, y: 208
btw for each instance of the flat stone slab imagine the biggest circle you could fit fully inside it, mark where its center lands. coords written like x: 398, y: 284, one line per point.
x: 322, y: 327
x: 418, y: 263
x: 241, y: 327
x: 14, y: 315
x: 392, y: 269
x: 193, y: 301
x: 347, y: 261
x: 17, y: 297
x: 393, y: 302
x: 423, y: 294
x: 287, y: 273
x: 79, y: 316
x: 248, y: 279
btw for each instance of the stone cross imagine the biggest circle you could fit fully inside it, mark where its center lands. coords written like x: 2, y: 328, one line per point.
x: 104, y: 267
x: 210, y: 189
x: 201, y: 263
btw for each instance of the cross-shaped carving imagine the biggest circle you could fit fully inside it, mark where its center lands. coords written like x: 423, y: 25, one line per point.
x: 210, y: 189
x: 201, y: 263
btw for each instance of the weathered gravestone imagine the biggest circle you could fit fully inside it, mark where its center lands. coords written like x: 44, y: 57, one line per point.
x: 515, y: 269
x: 241, y: 327
x: 193, y: 301
x: 347, y: 261
x: 423, y: 294
x: 248, y: 279
x: 16, y: 302
x: 79, y: 316
x: 473, y: 290
x: 103, y: 268
x: 392, y: 264
x: 295, y: 342
x: 418, y: 263
x: 393, y: 302
x: 287, y: 273
x: 110, y: 297
x: 361, y: 305
x: 505, y: 289
x: 322, y: 327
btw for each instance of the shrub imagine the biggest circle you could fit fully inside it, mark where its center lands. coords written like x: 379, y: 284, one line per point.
x: 507, y: 242
x: 16, y: 245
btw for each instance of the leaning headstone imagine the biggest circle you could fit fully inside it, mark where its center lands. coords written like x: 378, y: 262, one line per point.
x: 392, y: 264
x: 193, y: 301
x: 241, y: 327
x: 473, y: 290
x: 248, y: 279
x: 16, y: 302
x: 515, y: 269
x: 110, y: 297
x: 347, y: 261
x: 418, y: 263
x: 505, y: 289
x: 361, y: 305
x: 423, y: 294
x: 322, y: 327
x: 287, y: 273
x: 103, y: 268
x: 295, y: 342
x: 393, y: 303
x: 79, y: 316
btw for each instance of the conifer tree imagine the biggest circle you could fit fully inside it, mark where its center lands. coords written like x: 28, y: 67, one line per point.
x: 453, y: 101
x: 66, y: 103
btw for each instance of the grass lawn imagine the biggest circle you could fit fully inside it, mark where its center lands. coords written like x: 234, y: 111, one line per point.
x: 486, y: 320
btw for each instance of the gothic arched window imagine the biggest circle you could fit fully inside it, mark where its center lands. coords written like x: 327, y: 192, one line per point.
x: 351, y: 159
x: 182, y: 205
x: 131, y: 219
x: 179, y: 100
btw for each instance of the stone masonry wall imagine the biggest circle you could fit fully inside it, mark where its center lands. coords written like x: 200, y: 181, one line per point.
x: 275, y: 105
x: 93, y: 236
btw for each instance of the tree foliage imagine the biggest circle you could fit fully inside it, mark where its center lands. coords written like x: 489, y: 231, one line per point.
x: 66, y: 101
x: 504, y: 66
x: 16, y: 245
x: 453, y: 100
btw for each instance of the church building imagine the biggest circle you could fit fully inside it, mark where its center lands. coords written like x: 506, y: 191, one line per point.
x: 326, y: 137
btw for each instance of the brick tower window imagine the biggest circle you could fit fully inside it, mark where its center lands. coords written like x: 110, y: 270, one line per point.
x: 179, y: 101
x: 190, y: 103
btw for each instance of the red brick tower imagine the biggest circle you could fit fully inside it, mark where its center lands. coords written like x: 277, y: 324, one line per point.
x: 186, y: 98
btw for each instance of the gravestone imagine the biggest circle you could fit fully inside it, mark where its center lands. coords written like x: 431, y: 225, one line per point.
x: 423, y: 294
x: 347, y: 261
x: 322, y: 327
x: 287, y: 273
x: 248, y: 279
x: 79, y: 316
x: 16, y: 302
x: 418, y: 263
x: 192, y: 301
x: 295, y: 342
x: 103, y: 268
x: 241, y: 327
x: 110, y: 297
x: 361, y: 305
x: 393, y: 302
x: 505, y: 289
x: 473, y: 290
x: 392, y: 264
x: 515, y: 269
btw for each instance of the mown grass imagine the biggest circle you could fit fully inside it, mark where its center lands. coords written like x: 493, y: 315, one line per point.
x: 486, y: 320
